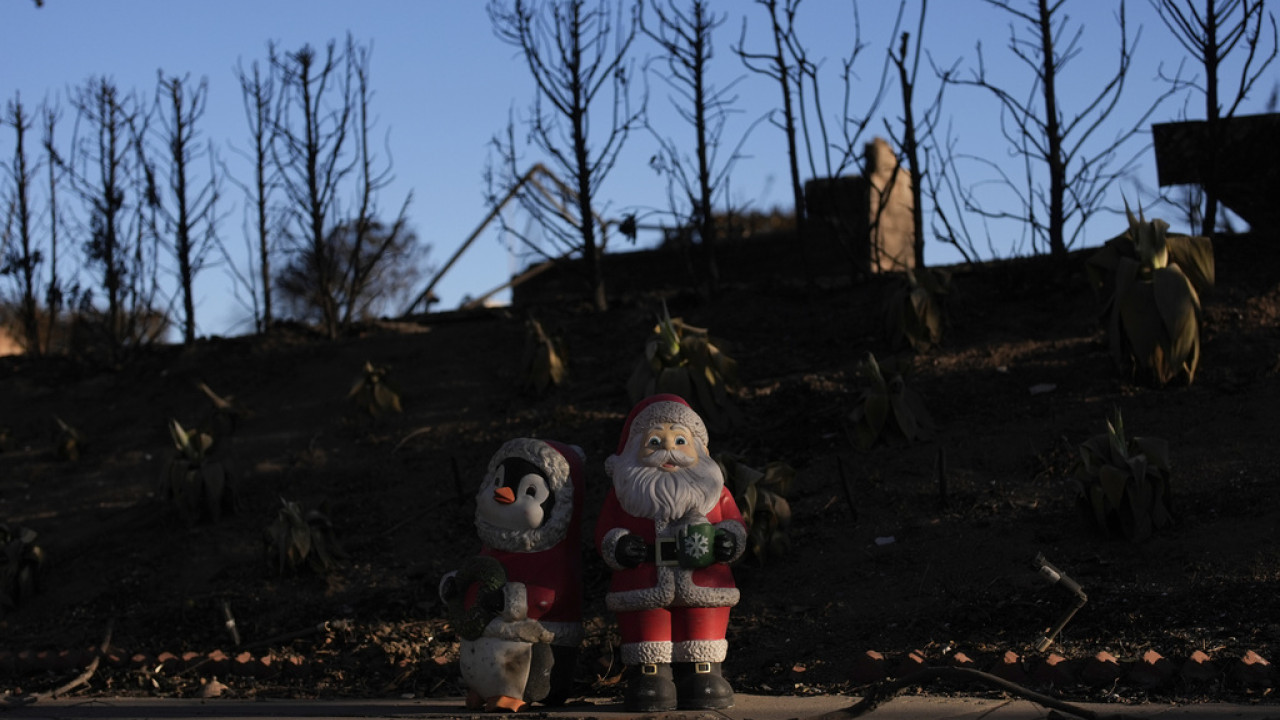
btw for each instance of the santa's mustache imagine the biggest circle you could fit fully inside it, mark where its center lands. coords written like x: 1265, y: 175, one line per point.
x: 667, y: 457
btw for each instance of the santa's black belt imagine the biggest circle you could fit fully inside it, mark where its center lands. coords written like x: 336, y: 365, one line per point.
x: 666, y: 552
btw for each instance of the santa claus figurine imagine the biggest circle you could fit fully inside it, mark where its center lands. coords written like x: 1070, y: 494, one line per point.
x: 669, y: 529
x: 518, y: 604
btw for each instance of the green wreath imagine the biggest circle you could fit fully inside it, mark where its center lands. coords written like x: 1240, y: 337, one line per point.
x: 490, y: 576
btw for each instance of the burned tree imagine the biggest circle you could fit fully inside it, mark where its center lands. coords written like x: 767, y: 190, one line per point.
x: 53, y: 296
x: 780, y: 64
x: 385, y: 252
x: 312, y: 126
x: 685, y: 39
x: 20, y: 256
x: 1079, y: 169
x: 189, y: 212
x: 567, y: 48
x: 257, y: 92
x: 110, y: 175
x: 349, y: 263
x: 916, y: 130
x: 828, y: 152
x: 381, y: 259
x: 1211, y: 38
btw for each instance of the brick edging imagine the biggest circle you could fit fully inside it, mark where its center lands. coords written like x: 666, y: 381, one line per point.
x: 1152, y: 670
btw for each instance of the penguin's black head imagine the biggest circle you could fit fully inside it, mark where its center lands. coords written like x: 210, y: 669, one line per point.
x: 516, y: 496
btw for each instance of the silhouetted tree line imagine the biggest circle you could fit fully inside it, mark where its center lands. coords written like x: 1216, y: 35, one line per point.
x: 148, y: 197
x: 147, y: 189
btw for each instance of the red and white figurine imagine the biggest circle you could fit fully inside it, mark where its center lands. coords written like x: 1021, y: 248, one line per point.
x: 669, y: 529
x: 526, y: 616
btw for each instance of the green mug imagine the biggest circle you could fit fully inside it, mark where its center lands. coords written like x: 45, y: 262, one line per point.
x: 695, y: 545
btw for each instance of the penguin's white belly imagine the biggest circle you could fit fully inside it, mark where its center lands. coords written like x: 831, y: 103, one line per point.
x: 494, y: 666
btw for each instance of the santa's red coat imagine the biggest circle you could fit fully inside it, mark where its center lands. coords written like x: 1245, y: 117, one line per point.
x: 650, y: 585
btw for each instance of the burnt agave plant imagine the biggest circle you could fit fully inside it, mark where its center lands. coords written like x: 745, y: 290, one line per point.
x: 67, y: 441
x: 21, y: 564
x: 544, y: 358
x: 761, y: 496
x: 374, y: 393
x: 302, y: 538
x: 226, y: 414
x: 915, y: 314
x: 194, y: 482
x: 684, y: 360
x: 888, y: 412
x: 1151, y: 281
x: 1124, y: 482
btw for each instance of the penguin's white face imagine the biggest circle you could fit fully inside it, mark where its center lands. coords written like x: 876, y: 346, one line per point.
x: 515, y: 496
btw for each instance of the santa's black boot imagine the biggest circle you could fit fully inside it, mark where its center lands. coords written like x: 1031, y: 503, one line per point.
x: 651, y: 689
x: 700, y: 686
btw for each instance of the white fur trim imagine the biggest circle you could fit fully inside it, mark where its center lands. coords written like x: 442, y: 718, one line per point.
x: 527, y: 631
x: 700, y: 651
x: 661, y: 595
x: 739, y: 532
x: 554, y: 528
x: 690, y: 594
x: 669, y: 411
x: 567, y: 634
x: 538, y: 453
x: 643, y: 653
x: 609, y: 546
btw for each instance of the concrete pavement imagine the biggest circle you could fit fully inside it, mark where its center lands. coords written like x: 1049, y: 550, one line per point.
x: 748, y: 707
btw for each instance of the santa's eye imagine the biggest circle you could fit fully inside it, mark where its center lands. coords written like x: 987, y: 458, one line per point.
x: 681, y: 441
x: 654, y: 441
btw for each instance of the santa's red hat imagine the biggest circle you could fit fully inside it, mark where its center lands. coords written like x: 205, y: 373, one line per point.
x: 662, y: 408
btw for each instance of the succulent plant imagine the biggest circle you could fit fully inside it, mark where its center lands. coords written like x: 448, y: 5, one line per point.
x: 761, y: 498
x: 1124, y: 483
x: 302, y: 538
x: 915, y: 313
x: 888, y: 411
x: 544, y: 358
x: 68, y: 443
x: 21, y: 564
x: 1151, y: 282
x: 226, y: 413
x: 374, y: 393
x: 683, y: 360
x: 199, y: 486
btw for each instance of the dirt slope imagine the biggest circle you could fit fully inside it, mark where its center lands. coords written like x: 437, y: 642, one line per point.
x: 881, y: 561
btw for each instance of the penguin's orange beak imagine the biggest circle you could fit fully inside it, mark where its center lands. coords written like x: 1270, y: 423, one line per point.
x: 504, y: 495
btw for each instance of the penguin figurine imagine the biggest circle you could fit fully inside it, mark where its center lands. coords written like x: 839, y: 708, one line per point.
x: 518, y: 604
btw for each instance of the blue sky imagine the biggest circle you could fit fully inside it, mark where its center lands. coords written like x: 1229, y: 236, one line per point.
x: 445, y: 86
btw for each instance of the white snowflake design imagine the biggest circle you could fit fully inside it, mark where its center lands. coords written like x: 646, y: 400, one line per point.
x: 696, y: 545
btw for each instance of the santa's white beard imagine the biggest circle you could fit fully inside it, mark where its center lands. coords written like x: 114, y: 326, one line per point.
x: 646, y: 490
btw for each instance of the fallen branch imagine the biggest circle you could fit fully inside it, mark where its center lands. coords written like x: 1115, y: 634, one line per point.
x: 75, y: 682
x: 884, y: 691
x: 318, y: 628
